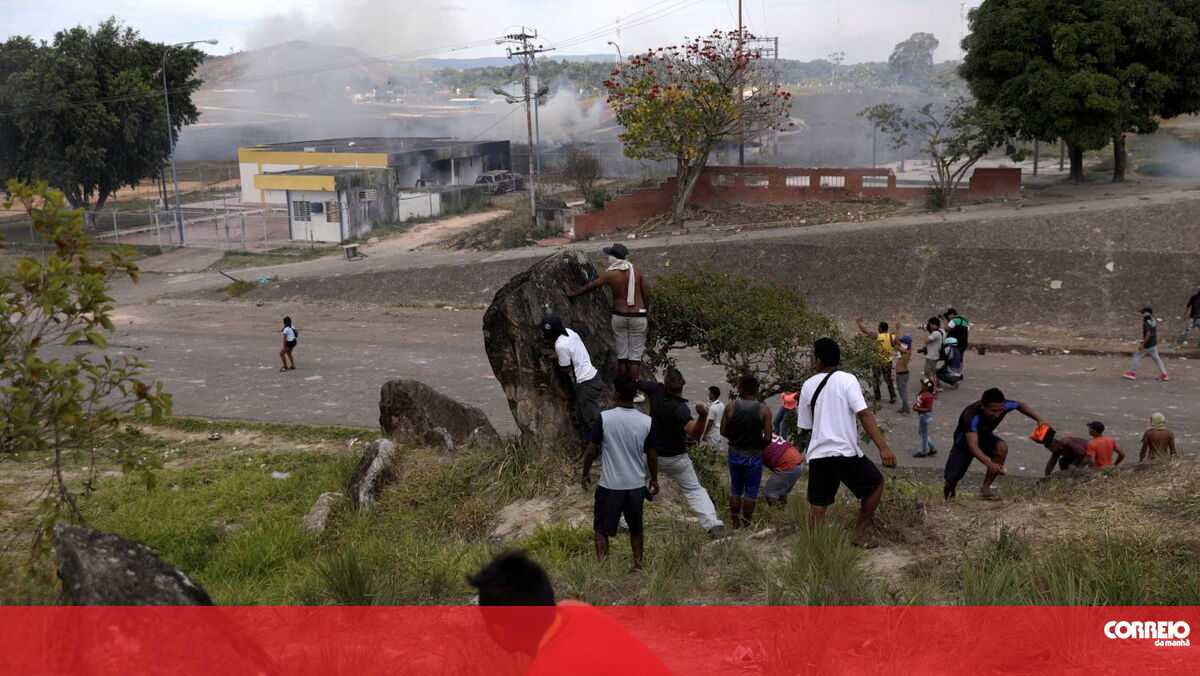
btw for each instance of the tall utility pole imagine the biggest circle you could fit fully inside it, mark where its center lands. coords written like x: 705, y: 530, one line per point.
x: 527, y: 52
x: 741, y: 91
x: 170, y: 131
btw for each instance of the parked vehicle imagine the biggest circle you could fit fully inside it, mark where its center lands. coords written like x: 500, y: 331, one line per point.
x: 496, y: 182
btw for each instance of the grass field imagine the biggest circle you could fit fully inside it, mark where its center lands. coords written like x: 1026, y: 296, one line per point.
x: 217, y: 512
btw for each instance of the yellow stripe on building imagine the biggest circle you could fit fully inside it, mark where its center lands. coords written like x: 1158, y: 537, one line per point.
x: 314, y: 159
x: 293, y: 182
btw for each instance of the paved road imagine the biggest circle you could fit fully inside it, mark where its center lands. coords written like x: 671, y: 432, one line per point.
x: 220, y: 360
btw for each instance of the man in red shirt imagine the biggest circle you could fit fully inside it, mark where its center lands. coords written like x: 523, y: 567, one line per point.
x: 519, y: 612
x: 1067, y: 452
x: 1101, y: 448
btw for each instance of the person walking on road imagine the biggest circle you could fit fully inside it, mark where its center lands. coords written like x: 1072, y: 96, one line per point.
x: 1149, y: 347
x: 830, y: 402
x: 1193, y: 317
x: 630, y: 305
x: 290, y: 336
x: 571, y: 356
x: 674, y: 430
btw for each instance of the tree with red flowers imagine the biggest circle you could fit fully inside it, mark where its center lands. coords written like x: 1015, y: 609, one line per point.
x: 678, y: 102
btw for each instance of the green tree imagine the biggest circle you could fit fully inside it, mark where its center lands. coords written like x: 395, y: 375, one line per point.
x: 745, y: 326
x: 1085, y: 72
x: 61, y: 407
x: 85, y: 112
x: 955, y: 135
x: 911, y: 61
x: 676, y: 103
x: 580, y: 168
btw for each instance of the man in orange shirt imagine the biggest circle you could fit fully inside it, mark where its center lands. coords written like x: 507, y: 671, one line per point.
x: 1101, y: 448
x: 516, y: 600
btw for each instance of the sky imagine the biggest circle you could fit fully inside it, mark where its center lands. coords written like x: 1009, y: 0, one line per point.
x: 866, y: 30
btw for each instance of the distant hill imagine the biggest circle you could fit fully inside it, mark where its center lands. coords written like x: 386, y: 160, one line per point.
x: 303, y: 62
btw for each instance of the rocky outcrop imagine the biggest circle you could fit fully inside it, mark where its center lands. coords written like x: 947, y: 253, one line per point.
x: 314, y: 522
x: 413, y: 413
x: 538, y: 395
x: 376, y: 469
x: 100, y: 569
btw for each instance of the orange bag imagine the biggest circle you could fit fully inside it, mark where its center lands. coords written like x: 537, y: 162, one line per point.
x: 1042, y: 434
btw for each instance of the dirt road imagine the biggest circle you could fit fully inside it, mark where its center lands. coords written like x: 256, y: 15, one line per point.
x: 220, y: 360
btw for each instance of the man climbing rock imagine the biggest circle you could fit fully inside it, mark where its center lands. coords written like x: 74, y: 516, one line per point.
x: 572, y: 357
x: 630, y: 303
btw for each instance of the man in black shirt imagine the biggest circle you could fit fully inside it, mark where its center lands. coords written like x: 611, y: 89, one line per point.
x: 975, y: 439
x: 1148, y: 347
x: 1193, y: 317
x: 674, y: 430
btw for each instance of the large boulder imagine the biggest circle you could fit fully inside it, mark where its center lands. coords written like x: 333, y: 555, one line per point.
x: 376, y: 469
x: 415, y: 414
x: 538, y: 395
x: 100, y: 569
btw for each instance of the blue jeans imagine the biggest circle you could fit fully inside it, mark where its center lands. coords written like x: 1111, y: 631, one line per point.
x: 923, y: 431
x: 777, y: 422
x: 745, y: 474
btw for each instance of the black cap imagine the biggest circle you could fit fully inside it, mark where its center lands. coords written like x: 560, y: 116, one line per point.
x: 1048, y: 440
x: 1096, y: 425
x: 617, y: 250
x: 552, y: 326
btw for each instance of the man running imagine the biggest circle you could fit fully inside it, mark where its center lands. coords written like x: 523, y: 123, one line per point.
x: 572, y: 357
x: 883, y: 370
x: 674, y: 430
x: 829, y: 403
x: 1149, y: 347
x: 975, y: 439
x: 623, y: 438
x: 630, y: 303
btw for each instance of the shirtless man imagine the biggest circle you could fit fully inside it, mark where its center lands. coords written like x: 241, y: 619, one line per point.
x: 630, y: 301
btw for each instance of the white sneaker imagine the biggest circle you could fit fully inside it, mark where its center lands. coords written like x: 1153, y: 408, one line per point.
x: 640, y: 398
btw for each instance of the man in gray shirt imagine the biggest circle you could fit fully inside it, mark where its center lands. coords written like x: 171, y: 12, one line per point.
x: 933, y: 349
x: 623, y: 437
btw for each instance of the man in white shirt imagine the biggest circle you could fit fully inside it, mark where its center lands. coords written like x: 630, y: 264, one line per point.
x: 572, y: 357
x: 829, y: 403
x: 712, y: 424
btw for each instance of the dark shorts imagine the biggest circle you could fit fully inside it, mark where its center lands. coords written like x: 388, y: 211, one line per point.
x: 859, y: 474
x: 290, y: 344
x: 960, y: 457
x: 745, y: 475
x: 611, y: 505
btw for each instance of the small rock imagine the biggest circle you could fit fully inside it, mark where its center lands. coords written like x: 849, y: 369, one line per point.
x: 100, y: 569
x: 1056, y: 284
x: 281, y: 475
x: 215, y: 436
x: 373, y: 241
x: 375, y: 470
x: 764, y: 534
x: 318, y: 516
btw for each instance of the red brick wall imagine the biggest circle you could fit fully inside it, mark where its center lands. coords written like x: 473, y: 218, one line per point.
x: 719, y: 186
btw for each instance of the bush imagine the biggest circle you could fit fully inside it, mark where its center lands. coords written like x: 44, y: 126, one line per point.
x: 597, y: 197
x: 745, y: 326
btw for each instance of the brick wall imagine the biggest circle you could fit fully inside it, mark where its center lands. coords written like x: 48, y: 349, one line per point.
x: 722, y: 186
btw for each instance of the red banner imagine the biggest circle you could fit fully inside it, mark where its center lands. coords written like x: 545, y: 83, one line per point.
x: 689, y: 640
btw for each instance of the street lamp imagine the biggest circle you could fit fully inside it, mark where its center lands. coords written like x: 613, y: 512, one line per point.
x: 620, y: 58
x: 170, y: 132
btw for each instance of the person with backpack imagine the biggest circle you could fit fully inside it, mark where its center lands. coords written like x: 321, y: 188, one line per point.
x: 290, y: 335
x: 830, y: 403
x: 958, y: 328
x: 950, y: 374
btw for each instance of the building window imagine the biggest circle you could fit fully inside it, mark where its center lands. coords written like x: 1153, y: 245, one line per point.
x: 796, y: 181
x: 875, y: 181
x: 833, y: 181
x: 316, y: 207
x: 722, y: 179
x: 757, y: 181
x: 367, y: 195
x: 333, y: 212
x: 300, y: 211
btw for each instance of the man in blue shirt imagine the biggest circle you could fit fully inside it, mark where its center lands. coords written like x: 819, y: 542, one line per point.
x: 623, y: 437
x: 975, y: 439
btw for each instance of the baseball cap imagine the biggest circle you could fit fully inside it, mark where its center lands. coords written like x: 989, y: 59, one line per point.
x: 619, y: 250
x: 906, y: 340
x: 790, y: 399
x: 551, y: 325
x: 1096, y: 425
x: 952, y: 341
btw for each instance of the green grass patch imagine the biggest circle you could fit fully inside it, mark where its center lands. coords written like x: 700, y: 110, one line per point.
x: 233, y: 260
x: 238, y: 287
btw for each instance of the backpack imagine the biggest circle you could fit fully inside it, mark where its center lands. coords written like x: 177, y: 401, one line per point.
x: 946, y: 353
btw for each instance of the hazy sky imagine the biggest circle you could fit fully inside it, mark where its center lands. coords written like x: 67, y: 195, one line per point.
x: 866, y: 30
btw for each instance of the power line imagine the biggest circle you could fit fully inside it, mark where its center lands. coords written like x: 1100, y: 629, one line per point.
x: 640, y: 18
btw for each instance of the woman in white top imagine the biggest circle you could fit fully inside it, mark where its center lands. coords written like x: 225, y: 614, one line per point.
x: 289, y: 343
